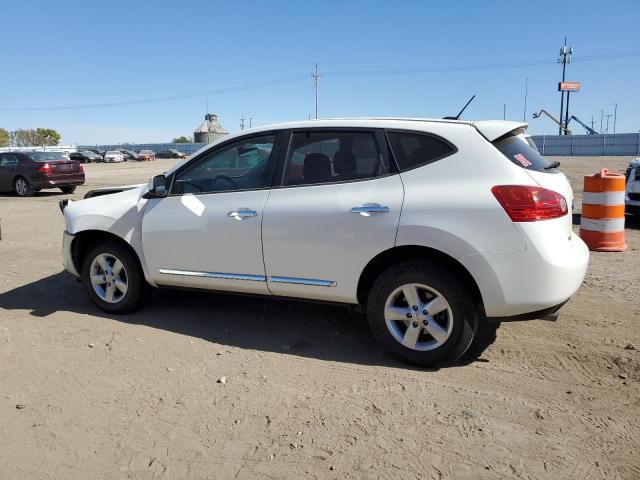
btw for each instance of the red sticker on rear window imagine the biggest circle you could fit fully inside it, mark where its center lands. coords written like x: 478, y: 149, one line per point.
x: 522, y: 159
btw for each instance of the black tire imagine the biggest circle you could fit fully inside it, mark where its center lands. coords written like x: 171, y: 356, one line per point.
x: 22, y: 189
x: 133, y: 275
x: 464, y: 313
x: 68, y: 189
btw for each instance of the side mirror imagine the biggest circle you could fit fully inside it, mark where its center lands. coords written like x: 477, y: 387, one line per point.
x: 158, y: 187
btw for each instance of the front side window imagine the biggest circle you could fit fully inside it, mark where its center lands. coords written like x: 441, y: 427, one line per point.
x: 412, y: 150
x: 243, y: 165
x: 329, y: 157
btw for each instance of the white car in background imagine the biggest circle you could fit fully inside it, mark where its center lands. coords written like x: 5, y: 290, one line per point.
x: 632, y: 189
x: 429, y: 225
x: 114, y: 156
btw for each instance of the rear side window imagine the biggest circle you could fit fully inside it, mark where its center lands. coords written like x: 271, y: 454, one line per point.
x: 330, y: 157
x: 412, y: 150
x: 518, y: 151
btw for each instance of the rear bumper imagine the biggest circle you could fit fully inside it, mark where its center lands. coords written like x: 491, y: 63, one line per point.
x: 67, y: 254
x: 54, y: 181
x: 541, y: 278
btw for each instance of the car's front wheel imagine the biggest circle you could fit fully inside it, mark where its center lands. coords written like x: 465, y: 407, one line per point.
x: 112, y: 278
x: 422, y: 313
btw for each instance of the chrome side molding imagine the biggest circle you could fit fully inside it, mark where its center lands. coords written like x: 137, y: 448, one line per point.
x: 251, y: 278
x: 218, y: 275
x: 304, y: 281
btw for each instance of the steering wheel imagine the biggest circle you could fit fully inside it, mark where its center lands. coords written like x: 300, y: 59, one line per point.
x: 227, y: 179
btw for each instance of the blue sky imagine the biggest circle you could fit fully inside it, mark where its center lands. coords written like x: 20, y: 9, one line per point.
x: 402, y: 58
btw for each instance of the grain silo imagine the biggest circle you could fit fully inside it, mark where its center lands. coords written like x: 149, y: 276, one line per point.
x: 209, y: 130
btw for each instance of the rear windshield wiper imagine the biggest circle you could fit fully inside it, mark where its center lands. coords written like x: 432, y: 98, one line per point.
x: 554, y: 164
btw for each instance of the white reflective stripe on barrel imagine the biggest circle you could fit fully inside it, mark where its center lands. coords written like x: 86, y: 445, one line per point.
x: 603, y: 198
x: 607, y: 225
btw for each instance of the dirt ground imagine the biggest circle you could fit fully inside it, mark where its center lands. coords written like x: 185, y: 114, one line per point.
x: 86, y: 395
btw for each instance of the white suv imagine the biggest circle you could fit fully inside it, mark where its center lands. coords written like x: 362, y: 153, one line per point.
x: 430, y: 225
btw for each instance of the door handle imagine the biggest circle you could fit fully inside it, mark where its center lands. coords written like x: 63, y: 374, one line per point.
x: 241, y: 213
x: 369, y: 208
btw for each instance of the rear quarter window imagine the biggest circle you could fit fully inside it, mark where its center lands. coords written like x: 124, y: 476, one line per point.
x: 517, y: 149
x: 413, y: 149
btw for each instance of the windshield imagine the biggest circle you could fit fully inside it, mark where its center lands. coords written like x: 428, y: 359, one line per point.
x: 113, y: 152
x: 44, y: 156
x: 147, y: 152
x: 517, y: 149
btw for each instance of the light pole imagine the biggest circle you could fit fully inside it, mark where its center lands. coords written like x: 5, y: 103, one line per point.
x: 615, y: 116
x: 564, y: 58
x: 601, y: 122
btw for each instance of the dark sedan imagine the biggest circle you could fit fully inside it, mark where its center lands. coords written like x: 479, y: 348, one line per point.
x: 28, y: 172
x: 129, y: 155
x: 86, y: 156
x: 171, y: 153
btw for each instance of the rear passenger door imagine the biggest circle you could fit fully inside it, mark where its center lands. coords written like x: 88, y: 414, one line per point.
x: 337, y: 205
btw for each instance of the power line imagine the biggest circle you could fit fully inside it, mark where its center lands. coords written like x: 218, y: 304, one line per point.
x: 163, y: 99
x: 296, y: 78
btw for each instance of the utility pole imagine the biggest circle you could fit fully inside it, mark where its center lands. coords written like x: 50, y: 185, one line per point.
x: 526, y: 88
x: 564, y: 58
x: 504, y: 111
x: 592, y: 122
x: 242, y: 122
x: 608, y: 116
x: 601, y: 122
x: 250, y: 119
x: 316, y: 78
x: 615, y: 116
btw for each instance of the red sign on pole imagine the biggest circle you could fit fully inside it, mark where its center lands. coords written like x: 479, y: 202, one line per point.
x: 569, y: 86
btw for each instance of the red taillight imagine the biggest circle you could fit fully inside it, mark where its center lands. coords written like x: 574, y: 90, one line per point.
x: 80, y: 168
x: 46, y: 169
x: 530, y: 204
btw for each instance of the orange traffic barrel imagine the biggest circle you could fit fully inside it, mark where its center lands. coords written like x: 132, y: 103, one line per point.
x: 602, y: 220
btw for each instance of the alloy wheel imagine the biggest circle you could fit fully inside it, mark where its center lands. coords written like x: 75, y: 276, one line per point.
x: 21, y: 186
x: 108, y: 278
x: 419, y: 317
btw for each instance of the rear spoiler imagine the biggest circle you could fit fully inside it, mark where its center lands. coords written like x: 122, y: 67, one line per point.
x: 495, y: 129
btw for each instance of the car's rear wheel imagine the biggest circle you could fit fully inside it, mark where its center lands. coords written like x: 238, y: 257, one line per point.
x: 112, y: 278
x: 22, y: 187
x: 422, y: 314
x: 68, y: 189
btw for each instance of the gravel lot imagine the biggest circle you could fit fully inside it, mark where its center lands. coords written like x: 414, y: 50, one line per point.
x: 307, y: 394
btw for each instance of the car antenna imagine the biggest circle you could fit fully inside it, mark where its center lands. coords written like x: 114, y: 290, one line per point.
x: 457, y: 117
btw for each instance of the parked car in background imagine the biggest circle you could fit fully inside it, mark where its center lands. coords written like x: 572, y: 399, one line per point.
x: 171, y: 153
x: 129, y: 155
x: 28, y: 172
x: 113, y: 156
x: 632, y: 189
x: 85, y: 156
x: 428, y: 225
x: 146, y: 155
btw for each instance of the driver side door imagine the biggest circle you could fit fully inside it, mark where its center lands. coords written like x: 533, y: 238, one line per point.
x: 207, y: 232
